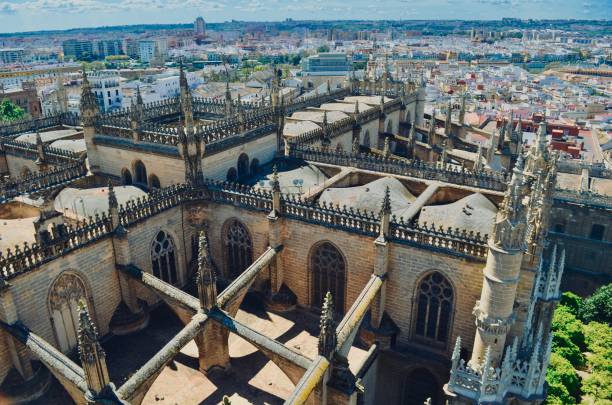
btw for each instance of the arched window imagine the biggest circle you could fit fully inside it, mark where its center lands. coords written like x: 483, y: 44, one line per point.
x: 328, y: 274
x: 154, y: 182
x: 366, y: 138
x: 64, y: 296
x: 255, y: 166
x: 238, y: 248
x: 243, y: 166
x: 232, y: 175
x: 163, y: 258
x: 126, y: 177
x: 141, y: 172
x: 434, y: 308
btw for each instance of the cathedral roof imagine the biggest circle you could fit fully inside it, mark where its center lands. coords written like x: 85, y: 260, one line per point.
x: 81, y: 203
x: 472, y: 213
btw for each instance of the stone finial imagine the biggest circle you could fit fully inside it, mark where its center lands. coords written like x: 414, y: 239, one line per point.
x: 357, y: 107
x: 93, y: 358
x: 448, y: 121
x: 139, y: 100
x: 112, y: 197
x: 40, y: 149
x: 89, y: 102
x: 457, y: 350
x: 274, y: 183
x: 478, y: 162
x: 385, y: 207
x: 462, y: 110
x: 386, y: 148
x: 207, y: 288
x: 327, y: 334
x: 356, y: 146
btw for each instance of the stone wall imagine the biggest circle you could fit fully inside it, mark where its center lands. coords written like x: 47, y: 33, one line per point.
x: 94, y: 264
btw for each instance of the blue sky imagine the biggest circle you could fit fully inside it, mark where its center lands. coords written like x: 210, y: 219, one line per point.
x: 28, y: 15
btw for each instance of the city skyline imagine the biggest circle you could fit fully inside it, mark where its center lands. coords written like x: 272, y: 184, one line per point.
x: 32, y: 15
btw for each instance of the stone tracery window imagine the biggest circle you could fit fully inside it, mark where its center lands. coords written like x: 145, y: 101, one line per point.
x: 163, y: 258
x: 434, y: 308
x: 140, y: 173
x: 65, y: 293
x: 238, y: 247
x: 328, y: 274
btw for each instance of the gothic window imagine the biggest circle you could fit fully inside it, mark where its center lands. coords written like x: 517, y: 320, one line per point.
x: 126, y: 177
x: 232, y: 175
x: 163, y: 258
x: 141, y: 172
x: 238, y: 247
x: 254, y: 166
x: 597, y: 232
x: 328, y: 274
x: 366, y: 139
x: 66, y: 292
x: 434, y: 308
x: 243, y: 166
x: 154, y: 182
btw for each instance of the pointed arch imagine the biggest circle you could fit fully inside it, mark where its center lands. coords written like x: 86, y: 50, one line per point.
x: 238, y: 246
x: 164, y: 262
x: 243, y: 166
x: 154, y: 182
x: 434, y: 307
x: 64, y: 295
x: 327, y: 273
x: 366, y: 139
x: 140, y: 173
x: 126, y: 177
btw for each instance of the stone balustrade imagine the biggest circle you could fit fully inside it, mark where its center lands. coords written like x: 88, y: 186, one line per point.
x: 583, y: 198
x: 41, y: 181
x: 28, y: 150
x: 485, y: 179
x: 63, y: 239
x: 456, y: 242
x: 13, y: 128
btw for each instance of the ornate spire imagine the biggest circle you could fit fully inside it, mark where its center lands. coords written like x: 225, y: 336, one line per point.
x: 274, y: 183
x: 40, y: 150
x: 386, y: 148
x: 186, y: 104
x: 478, y: 162
x: 448, y: 122
x: 462, y: 110
x: 356, y: 107
x: 356, y: 145
x: 510, y: 228
x: 93, y: 358
x: 112, y: 197
x: 89, y: 102
x: 207, y: 288
x: 327, y: 333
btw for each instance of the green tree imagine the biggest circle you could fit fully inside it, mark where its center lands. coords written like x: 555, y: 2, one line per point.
x: 323, y: 49
x: 598, y: 307
x: 572, y: 302
x: 10, y: 111
x: 560, y: 374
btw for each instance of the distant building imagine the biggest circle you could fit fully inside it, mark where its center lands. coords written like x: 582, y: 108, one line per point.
x: 332, y: 67
x: 109, y: 48
x: 146, y: 50
x: 11, y: 55
x: 132, y: 48
x: 78, y: 49
x: 199, y: 27
x: 107, y: 89
x: 25, y: 97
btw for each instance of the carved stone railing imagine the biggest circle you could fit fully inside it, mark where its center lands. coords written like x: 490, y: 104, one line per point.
x: 348, y: 219
x: 31, y: 125
x: 41, y: 181
x: 140, y: 209
x: 575, y: 167
x: 457, y: 241
x: 430, y: 171
x: 28, y: 150
x: 63, y: 239
x: 583, y: 198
